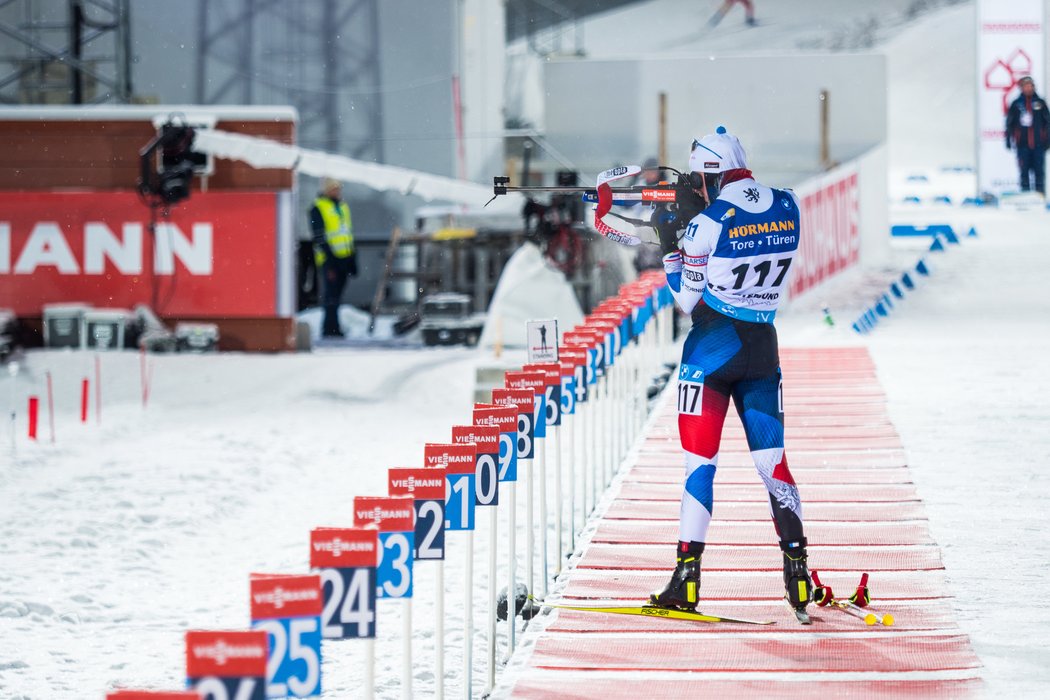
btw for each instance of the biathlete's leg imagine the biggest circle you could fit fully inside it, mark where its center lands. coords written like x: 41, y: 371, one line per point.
x: 759, y: 403
x: 701, y: 432
x: 703, y: 399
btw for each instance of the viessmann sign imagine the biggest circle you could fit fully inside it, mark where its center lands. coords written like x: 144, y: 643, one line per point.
x: 830, y: 238
x: 216, y: 255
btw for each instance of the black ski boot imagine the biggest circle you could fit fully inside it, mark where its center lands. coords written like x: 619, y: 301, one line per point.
x: 797, y: 583
x: 683, y: 590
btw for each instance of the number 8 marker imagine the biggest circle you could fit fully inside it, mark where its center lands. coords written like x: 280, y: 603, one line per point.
x: 523, y: 400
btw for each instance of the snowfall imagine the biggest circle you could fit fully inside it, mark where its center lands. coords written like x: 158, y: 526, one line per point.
x: 146, y: 521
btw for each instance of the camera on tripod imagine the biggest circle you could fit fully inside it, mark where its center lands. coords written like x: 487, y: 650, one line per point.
x: 170, y: 180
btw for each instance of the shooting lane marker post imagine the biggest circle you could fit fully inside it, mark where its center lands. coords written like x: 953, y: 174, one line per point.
x: 50, y: 406
x: 34, y: 411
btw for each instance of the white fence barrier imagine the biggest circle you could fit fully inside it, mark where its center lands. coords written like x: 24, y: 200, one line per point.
x: 561, y: 426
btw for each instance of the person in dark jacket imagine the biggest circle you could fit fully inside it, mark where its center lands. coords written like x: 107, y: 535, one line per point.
x: 334, y: 252
x: 1028, y: 130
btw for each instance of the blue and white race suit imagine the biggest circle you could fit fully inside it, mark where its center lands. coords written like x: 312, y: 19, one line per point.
x: 736, y: 258
x: 736, y: 253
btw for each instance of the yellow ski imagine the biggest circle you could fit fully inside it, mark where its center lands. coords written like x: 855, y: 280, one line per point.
x: 654, y: 611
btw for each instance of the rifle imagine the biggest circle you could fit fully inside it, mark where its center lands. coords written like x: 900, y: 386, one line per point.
x: 668, y: 196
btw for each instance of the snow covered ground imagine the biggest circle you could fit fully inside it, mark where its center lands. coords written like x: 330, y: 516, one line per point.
x: 962, y: 360
x: 119, y: 537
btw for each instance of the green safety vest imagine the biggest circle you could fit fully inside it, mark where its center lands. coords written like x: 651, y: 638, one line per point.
x: 338, y: 229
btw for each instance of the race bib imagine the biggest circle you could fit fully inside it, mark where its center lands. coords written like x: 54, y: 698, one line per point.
x: 690, y: 390
x: 1026, y: 119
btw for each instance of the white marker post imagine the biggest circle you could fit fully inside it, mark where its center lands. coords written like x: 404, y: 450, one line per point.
x: 512, y: 551
x: 12, y: 369
x: 534, y: 383
x: 541, y: 459
x: 549, y: 390
x: 505, y: 418
x: 542, y: 349
x: 51, y: 406
x: 493, y: 524
x: 468, y: 620
x: 370, y: 668
x: 530, y: 536
x: 345, y: 558
x: 486, y: 438
x: 459, y: 458
x: 439, y: 632
x: 406, y: 650
x: 426, y: 485
x: 567, y: 372
x: 521, y: 400
x: 394, y: 516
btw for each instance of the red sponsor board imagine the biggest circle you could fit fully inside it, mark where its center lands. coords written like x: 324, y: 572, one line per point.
x: 388, y: 513
x: 576, y: 356
x: 526, y: 380
x: 285, y: 595
x: 485, y: 437
x: 551, y: 372
x: 456, y: 459
x: 422, y: 483
x: 603, y: 323
x: 503, y: 417
x: 829, y: 239
x: 586, y: 336
x: 153, y: 695
x: 523, y: 400
x: 567, y: 368
x: 342, y: 547
x: 226, y: 654
x: 215, y: 256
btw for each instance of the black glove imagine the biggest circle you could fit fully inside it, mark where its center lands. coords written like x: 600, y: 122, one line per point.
x: 351, y: 264
x: 667, y: 223
x: 327, y: 250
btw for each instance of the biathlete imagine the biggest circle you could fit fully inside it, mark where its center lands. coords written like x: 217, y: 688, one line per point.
x: 729, y: 269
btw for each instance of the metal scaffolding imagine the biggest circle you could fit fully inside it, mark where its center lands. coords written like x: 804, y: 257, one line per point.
x: 320, y: 57
x: 77, y: 52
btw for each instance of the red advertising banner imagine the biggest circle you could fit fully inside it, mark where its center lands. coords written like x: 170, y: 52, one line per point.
x: 503, y: 417
x: 285, y: 595
x: 455, y: 458
x: 486, y: 437
x: 153, y: 695
x: 523, y: 399
x: 422, y: 483
x: 226, y: 654
x: 388, y: 513
x: 535, y: 380
x: 342, y: 547
x: 215, y: 256
x: 830, y: 238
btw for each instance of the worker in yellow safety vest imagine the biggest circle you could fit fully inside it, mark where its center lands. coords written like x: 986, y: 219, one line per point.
x: 334, y: 253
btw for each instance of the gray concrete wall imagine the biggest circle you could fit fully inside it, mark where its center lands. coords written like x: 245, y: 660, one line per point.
x: 602, y: 112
